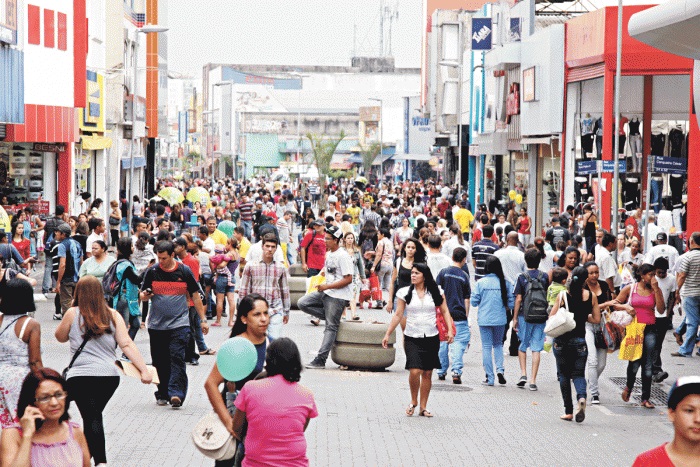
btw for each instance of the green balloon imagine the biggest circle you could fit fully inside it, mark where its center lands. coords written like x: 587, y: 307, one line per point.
x: 236, y: 359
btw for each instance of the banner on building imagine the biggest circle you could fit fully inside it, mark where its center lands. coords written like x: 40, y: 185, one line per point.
x: 8, y: 21
x: 481, y: 33
x: 514, y: 34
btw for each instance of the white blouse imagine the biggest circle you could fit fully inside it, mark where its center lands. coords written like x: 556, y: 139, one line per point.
x: 420, y: 314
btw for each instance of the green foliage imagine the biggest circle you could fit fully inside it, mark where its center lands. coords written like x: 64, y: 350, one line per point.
x: 369, y: 154
x: 337, y: 174
x: 322, y: 150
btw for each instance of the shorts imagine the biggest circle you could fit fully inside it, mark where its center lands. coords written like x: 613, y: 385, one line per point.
x: 207, y: 279
x: 531, y: 335
x: 221, y: 285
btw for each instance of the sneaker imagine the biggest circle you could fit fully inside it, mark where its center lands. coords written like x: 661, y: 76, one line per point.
x: 486, y: 383
x: 533, y: 387
x: 581, y: 414
x: 316, y: 321
x: 673, y: 354
x: 193, y: 362
x: 595, y: 400
x: 457, y: 379
x: 501, y: 378
x: 521, y: 382
x: 175, y: 402
x: 659, y: 377
x: 316, y: 364
x: 441, y: 377
x: 57, y: 317
x: 161, y: 402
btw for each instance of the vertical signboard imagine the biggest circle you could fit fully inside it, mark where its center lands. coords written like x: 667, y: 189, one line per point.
x: 481, y: 33
x: 8, y: 21
x: 226, y: 109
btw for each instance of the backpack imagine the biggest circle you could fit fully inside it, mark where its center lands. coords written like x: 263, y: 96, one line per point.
x: 111, y: 284
x: 311, y: 242
x: 535, y: 303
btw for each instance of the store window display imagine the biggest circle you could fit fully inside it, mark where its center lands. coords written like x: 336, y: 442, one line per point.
x: 21, y: 173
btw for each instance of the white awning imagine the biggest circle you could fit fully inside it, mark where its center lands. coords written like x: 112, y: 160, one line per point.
x: 537, y: 140
x: 673, y: 27
x: 413, y: 157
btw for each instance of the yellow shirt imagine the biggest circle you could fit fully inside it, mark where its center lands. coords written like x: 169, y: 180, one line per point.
x: 464, y: 218
x: 219, y: 237
x: 354, y: 212
x: 244, y: 247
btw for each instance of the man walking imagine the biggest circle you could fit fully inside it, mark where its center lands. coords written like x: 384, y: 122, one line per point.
x: 169, y: 285
x: 455, y: 284
x: 606, y: 263
x: 269, y: 279
x: 482, y: 250
x: 662, y: 250
x: 332, y: 296
x: 50, y: 227
x: 688, y: 282
x: 69, y: 254
x: 313, y: 249
x: 97, y: 228
x: 435, y: 259
x: 245, y: 207
x: 512, y: 259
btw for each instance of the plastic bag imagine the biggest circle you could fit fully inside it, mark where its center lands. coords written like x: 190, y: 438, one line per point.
x: 633, y: 344
x: 314, y: 282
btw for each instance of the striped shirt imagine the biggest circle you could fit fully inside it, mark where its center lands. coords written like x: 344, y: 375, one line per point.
x: 268, y: 280
x: 689, y: 263
x: 480, y: 251
x: 246, y: 210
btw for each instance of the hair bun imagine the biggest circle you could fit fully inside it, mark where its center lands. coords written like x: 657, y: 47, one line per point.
x: 575, y: 278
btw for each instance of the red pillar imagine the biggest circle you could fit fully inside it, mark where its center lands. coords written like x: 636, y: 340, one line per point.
x: 65, y: 176
x: 693, y: 223
x: 646, y: 131
x: 608, y: 132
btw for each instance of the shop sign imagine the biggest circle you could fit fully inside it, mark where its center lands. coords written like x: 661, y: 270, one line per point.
x: 370, y: 114
x: 515, y: 31
x: 513, y: 101
x: 609, y: 166
x: 39, y: 206
x: 586, y: 167
x: 481, y: 33
x: 592, y: 167
x: 49, y: 147
x: 8, y: 21
x: 669, y: 165
x: 529, y: 84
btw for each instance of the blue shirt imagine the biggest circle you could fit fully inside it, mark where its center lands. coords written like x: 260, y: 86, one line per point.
x: 487, y: 296
x: 521, y: 284
x: 67, y: 246
x: 456, y: 285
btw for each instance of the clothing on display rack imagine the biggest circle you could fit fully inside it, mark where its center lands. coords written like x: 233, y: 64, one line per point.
x: 630, y: 193
x: 676, y: 184
x: 623, y: 140
x: 587, y: 136
x: 598, y: 127
x: 665, y: 220
x: 657, y: 187
x: 676, y: 142
x: 582, y: 189
x: 635, y: 143
x: 658, y: 144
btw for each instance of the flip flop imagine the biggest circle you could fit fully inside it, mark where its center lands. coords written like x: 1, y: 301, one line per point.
x: 425, y: 413
x: 567, y: 418
x: 208, y: 352
x: 410, y: 409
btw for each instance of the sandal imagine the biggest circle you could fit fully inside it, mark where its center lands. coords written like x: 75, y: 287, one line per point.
x: 356, y: 318
x: 647, y: 405
x: 567, y: 418
x: 410, y: 409
x: 626, y: 394
x: 425, y: 413
x: 215, y: 324
x: 208, y: 352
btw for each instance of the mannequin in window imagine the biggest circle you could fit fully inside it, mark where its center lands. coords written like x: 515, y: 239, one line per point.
x: 635, y: 142
x: 587, y: 136
x: 676, y: 140
x: 598, y: 127
x: 621, y: 135
x: 659, y: 130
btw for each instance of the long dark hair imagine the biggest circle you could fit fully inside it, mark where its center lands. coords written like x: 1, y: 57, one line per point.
x: 430, y: 284
x: 419, y: 257
x: 283, y: 358
x: 562, y: 259
x: 246, y: 305
x: 27, y: 395
x: 578, y: 279
x: 494, y: 266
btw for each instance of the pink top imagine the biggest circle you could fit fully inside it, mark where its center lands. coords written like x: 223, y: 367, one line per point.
x: 276, y: 411
x: 66, y: 453
x: 643, y: 306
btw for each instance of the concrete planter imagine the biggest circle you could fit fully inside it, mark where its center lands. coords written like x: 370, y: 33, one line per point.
x: 295, y: 270
x: 359, y: 345
x: 297, y: 289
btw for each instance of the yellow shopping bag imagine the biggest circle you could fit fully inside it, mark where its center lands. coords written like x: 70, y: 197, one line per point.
x: 314, y: 282
x: 633, y: 344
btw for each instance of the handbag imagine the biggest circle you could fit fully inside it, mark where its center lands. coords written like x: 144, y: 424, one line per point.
x: 612, y: 333
x: 563, y: 321
x: 621, y: 317
x: 442, y: 325
x: 599, y: 339
x: 64, y: 373
x: 114, y: 221
x: 633, y: 344
x: 212, y: 439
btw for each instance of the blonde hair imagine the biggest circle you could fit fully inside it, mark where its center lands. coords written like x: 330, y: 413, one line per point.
x: 114, y: 203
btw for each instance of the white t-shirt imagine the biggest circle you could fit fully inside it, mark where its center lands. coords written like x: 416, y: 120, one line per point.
x: 437, y: 262
x: 662, y: 251
x: 452, y: 244
x: 90, y: 240
x: 420, y: 314
x: 338, y: 265
x: 255, y: 252
x: 607, y: 266
x: 209, y: 244
x: 666, y: 285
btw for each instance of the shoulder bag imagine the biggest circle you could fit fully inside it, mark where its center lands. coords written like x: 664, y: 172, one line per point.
x: 212, y: 439
x: 64, y: 373
x: 563, y: 321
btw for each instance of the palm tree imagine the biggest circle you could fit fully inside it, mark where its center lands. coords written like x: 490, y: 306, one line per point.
x: 322, y: 150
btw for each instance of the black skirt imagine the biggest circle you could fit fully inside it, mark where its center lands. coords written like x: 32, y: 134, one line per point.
x: 422, y: 352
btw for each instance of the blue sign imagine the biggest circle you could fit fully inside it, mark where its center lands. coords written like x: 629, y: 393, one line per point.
x: 586, y: 167
x: 481, y: 33
x: 669, y: 165
x: 609, y: 167
x: 514, y: 33
x: 238, y: 77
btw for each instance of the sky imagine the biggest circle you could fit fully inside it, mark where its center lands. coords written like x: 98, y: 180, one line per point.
x: 297, y: 32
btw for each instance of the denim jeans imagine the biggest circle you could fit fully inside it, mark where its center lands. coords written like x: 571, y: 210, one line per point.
x: 47, y: 283
x: 657, y: 187
x: 274, y: 329
x: 320, y: 305
x: 492, y: 348
x: 661, y: 330
x: 596, y: 361
x: 168, y: 356
x: 247, y: 228
x: 691, y: 306
x: 196, y: 337
x: 291, y: 256
x: 571, y: 355
x: 456, y: 349
x: 134, y: 325
x: 646, y: 363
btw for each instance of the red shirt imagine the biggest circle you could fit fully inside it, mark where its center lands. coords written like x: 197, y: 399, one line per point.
x: 656, y: 457
x: 192, y: 263
x: 478, y: 234
x: 23, y: 247
x: 443, y: 207
x: 316, y: 250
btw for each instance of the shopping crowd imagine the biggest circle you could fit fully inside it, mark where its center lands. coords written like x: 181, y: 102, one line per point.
x: 174, y: 266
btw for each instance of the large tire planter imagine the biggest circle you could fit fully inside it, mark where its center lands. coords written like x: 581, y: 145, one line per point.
x: 359, y: 345
x: 295, y: 270
x: 297, y: 289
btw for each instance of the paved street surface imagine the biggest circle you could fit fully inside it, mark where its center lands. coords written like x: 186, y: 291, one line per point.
x: 361, y: 414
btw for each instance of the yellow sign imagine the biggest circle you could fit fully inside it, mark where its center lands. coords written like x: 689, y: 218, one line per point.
x: 4, y: 220
x: 92, y: 117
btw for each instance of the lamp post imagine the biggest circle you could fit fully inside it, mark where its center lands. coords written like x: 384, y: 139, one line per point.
x: 381, y: 137
x: 616, y: 129
x: 301, y: 77
x: 147, y: 29
x: 460, y: 67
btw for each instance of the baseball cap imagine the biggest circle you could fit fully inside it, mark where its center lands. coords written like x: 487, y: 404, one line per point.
x: 64, y: 229
x: 661, y: 236
x: 317, y: 222
x: 684, y: 386
x: 335, y: 231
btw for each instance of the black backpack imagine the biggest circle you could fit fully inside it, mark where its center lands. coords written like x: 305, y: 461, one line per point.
x: 535, y: 305
x: 111, y: 284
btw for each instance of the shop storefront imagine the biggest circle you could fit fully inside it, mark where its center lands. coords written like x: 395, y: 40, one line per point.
x: 28, y: 173
x: 655, y: 108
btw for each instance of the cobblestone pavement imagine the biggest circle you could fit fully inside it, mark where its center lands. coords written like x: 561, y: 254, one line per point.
x: 361, y: 414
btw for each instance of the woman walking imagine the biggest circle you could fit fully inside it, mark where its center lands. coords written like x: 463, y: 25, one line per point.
x: 597, y: 358
x: 93, y: 377
x: 126, y: 272
x: 411, y: 252
x: 277, y: 410
x: 20, y: 346
x: 524, y: 226
x: 98, y: 263
x: 570, y: 349
x: 421, y: 342
x: 358, y: 271
x: 493, y: 294
x: 115, y: 219
x: 641, y: 299
x: 251, y: 323
x: 383, y: 259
